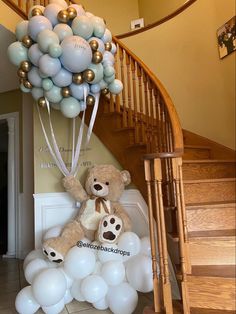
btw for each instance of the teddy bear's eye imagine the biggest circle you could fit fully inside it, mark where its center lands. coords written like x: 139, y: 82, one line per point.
x: 95, y: 180
x: 107, y: 183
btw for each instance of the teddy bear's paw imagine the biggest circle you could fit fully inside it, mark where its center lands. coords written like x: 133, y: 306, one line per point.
x: 110, y: 228
x: 53, y: 255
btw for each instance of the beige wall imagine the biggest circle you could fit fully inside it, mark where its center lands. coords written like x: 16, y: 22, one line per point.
x: 154, y: 10
x: 47, y: 177
x: 184, y: 55
x: 8, y: 17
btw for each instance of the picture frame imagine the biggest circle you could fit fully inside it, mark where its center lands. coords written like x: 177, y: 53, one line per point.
x: 226, y: 38
x: 135, y: 24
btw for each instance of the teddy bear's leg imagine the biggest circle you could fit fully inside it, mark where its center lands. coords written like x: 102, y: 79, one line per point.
x: 56, y: 248
x: 110, y: 228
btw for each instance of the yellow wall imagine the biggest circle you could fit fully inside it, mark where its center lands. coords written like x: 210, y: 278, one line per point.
x: 49, y: 179
x: 184, y: 55
x: 8, y: 17
x: 154, y: 10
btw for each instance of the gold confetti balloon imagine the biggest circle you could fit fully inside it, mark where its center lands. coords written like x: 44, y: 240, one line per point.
x: 42, y: 102
x: 25, y: 66
x: 27, y: 41
x: 77, y: 78
x: 90, y: 100
x: 97, y: 57
x: 36, y: 11
x: 63, y: 16
x: 72, y: 13
x: 65, y: 91
x: 94, y: 45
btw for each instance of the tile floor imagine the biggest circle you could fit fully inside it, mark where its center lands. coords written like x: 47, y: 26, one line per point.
x: 12, y: 280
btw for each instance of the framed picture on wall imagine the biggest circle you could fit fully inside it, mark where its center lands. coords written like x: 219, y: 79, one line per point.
x: 226, y: 38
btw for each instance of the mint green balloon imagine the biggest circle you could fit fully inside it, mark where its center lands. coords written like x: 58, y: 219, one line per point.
x: 99, y: 26
x: 109, y: 70
x: 82, y: 26
x: 55, y: 50
x: 109, y: 79
x: 47, y: 84
x: 70, y: 107
x: 103, y: 84
x: 17, y: 53
x: 98, y: 71
x: 37, y: 93
x: 21, y: 29
x: 54, y: 94
x: 55, y: 106
x: 45, y: 38
x: 24, y: 89
x: 63, y: 30
x: 115, y: 87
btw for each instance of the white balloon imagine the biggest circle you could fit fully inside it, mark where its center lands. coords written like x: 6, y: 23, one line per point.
x: 101, y: 304
x: 33, y: 255
x: 145, y: 246
x: 110, y: 252
x: 62, y: 3
x: 54, y: 309
x: 79, y: 262
x: 49, y: 287
x: 25, y: 302
x: 33, y: 268
x: 113, y: 272
x: 69, y: 280
x: 129, y: 242
x: 94, y: 288
x: 139, y: 273
x: 76, y: 291
x: 122, y: 299
x: 97, y: 268
x: 68, y: 297
x: 52, y: 232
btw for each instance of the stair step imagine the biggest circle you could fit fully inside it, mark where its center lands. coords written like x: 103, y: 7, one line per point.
x: 226, y: 271
x: 212, y: 169
x: 209, y: 190
x: 214, y: 250
x: 212, y: 292
x: 196, y: 152
x: 211, y: 216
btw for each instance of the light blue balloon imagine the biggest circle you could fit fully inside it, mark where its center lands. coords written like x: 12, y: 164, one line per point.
x: 42, y: 75
x: 109, y: 79
x: 98, y: 71
x: 47, y: 84
x: 107, y: 37
x: 45, y: 38
x: 35, y: 7
x: 77, y: 91
x: 70, y: 107
x: 37, y: 93
x: 21, y: 29
x: 115, y: 87
x: 108, y: 59
x: 51, y: 11
x: 83, y: 105
x: 98, y: 26
x: 113, y: 48
x: 24, y: 89
x: 35, y: 54
x: 49, y: 66
x: 95, y: 88
x: 103, y: 84
x: 54, y: 94
x: 101, y: 46
x: 55, y: 50
x: 37, y: 24
x: 34, y: 77
x: 79, y: 9
x: 17, y: 53
x: 63, y: 30
x: 76, y: 54
x: 55, y: 106
x: 82, y: 26
x: 109, y: 70
x: 63, y: 78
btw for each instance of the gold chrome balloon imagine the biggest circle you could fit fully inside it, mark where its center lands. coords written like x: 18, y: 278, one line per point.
x: 94, y: 45
x: 105, y: 91
x: 21, y: 73
x: 42, y: 102
x: 25, y: 66
x: 72, y: 13
x: 77, y: 78
x: 108, y: 46
x: 88, y: 75
x: 97, y: 57
x: 90, y: 100
x: 27, y: 84
x: 27, y: 41
x: 63, y: 16
x: 65, y: 91
x: 36, y: 11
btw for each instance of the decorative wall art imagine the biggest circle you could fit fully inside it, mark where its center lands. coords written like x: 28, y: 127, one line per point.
x: 226, y: 38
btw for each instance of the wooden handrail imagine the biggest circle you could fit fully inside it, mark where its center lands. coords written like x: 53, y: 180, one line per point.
x: 159, y: 22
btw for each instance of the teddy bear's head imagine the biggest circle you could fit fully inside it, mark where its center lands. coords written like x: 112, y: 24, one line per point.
x: 106, y: 181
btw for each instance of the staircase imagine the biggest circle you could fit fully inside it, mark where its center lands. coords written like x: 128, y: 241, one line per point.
x: 191, y: 195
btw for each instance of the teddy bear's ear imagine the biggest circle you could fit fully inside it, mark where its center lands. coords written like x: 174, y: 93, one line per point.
x: 126, y: 177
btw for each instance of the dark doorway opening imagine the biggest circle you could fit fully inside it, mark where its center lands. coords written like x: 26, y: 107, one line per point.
x: 3, y: 185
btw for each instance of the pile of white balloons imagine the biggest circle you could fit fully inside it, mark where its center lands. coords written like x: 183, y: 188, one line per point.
x: 105, y: 279
x: 64, y: 55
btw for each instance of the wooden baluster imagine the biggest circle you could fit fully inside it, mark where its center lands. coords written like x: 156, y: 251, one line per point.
x: 176, y: 162
x: 152, y: 140
x: 117, y: 97
x: 128, y: 64
x: 157, y: 119
x: 135, y: 104
x: 111, y: 103
x: 156, y: 286
x: 28, y: 6
x: 167, y: 297
x: 141, y: 113
x: 42, y: 2
x: 20, y: 4
x: 147, y: 111
x: 121, y: 55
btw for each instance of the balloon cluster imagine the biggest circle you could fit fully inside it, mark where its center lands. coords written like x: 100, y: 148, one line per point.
x: 102, y: 277
x: 65, y: 55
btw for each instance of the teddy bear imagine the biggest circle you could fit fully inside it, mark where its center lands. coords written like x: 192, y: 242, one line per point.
x: 100, y: 216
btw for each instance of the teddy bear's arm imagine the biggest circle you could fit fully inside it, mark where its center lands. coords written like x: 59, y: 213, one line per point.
x: 74, y: 188
x: 120, y: 212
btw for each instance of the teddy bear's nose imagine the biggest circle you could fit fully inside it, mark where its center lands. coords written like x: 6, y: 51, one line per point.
x: 97, y: 187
